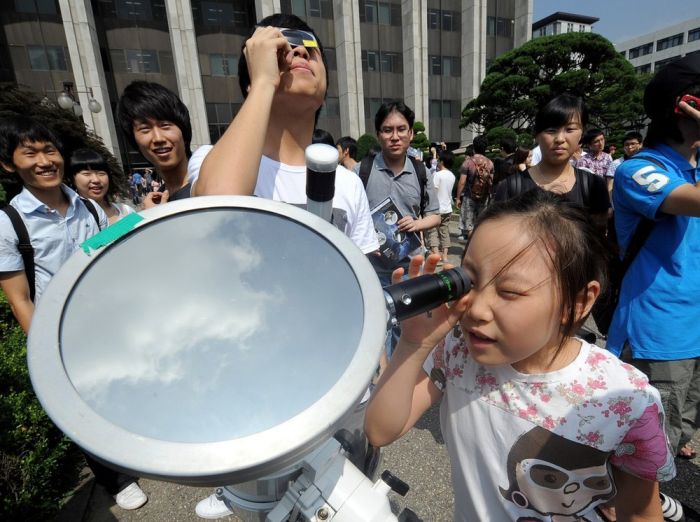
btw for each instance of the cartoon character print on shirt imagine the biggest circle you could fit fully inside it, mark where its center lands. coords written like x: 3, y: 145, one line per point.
x: 556, y: 477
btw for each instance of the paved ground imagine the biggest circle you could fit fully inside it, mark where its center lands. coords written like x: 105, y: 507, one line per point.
x: 419, y: 459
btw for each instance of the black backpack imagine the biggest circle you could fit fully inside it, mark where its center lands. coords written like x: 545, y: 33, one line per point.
x: 366, y: 169
x: 24, y: 244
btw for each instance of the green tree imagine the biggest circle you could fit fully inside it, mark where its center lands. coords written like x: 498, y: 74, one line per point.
x: 583, y: 64
x: 364, y: 143
x: 69, y: 128
x: 420, y: 141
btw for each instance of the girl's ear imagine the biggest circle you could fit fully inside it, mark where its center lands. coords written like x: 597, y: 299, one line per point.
x: 585, y: 299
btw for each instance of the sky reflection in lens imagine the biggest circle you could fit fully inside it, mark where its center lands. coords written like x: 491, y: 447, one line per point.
x: 212, y: 325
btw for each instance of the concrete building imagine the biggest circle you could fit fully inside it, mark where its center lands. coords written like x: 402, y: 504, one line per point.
x: 653, y: 50
x: 431, y: 53
x: 559, y: 22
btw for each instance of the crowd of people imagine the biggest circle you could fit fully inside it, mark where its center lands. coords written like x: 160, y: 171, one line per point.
x: 539, y: 424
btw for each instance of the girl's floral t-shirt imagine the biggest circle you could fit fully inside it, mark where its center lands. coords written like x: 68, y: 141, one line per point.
x: 539, y: 447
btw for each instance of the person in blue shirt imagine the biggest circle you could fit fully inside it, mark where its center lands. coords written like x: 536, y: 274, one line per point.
x: 657, y: 321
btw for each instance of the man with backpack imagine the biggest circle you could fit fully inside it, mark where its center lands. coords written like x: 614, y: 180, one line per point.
x: 45, y: 223
x: 474, y: 187
x: 656, y: 196
x: 39, y: 230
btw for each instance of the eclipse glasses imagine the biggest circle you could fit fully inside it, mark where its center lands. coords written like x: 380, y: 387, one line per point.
x: 299, y: 38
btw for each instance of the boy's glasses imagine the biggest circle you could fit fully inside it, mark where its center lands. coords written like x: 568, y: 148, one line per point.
x: 299, y: 38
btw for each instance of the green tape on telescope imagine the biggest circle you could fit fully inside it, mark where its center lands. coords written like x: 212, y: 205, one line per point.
x: 111, y: 233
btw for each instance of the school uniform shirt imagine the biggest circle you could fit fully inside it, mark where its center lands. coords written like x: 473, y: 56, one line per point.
x: 54, y: 237
x: 287, y: 183
x: 658, y: 311
x: 540, y: 447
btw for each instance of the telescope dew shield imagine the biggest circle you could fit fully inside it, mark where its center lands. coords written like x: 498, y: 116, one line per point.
x: 421, y: 294
x: 219, y: 373
x: 321, y: 162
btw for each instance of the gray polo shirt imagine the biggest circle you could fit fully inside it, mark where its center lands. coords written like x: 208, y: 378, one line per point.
x: 403, y: 188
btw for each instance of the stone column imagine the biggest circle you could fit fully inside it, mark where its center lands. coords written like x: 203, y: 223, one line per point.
x: 348, y: 53
x: 88, y: 70
x: 189, y: 77
x: 265, y: 8
x: 522, y: 30
x: 473, y: 53
x: 414, y: 18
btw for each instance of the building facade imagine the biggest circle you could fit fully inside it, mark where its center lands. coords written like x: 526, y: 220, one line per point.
x: 431, y: 53
x: 649, y: 52
x: 559, y: 23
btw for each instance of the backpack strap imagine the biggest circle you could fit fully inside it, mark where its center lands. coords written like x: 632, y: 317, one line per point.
x: 584, y: 177
x: 514, y: 185
x: 419, y: 167
x: 91, y: 208
x: 24, y: 246
x: 366, y: 169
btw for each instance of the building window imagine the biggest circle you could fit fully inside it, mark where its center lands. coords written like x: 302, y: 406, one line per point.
x: 581, y: 28
x: 330, y: 108
x: 433, y: 18
x: 223, y: 64
x: 49, y: 58
x: 382, y: 13
x: 444, y: 109
x: 497, y: 26
x: 304, y: 8
x: 646, y: 68
x: 659, y: 64
x: 382, y: 61
x: 142, y: 61
x: 222, y: 13
x: 445, y: 65
x: 642, y: 50
x: 694, y: 35
x: 372, y: 106
x: 671, y: 41
x: 370, y: 61
x: 445, y: 20
x: 36, y: 6
x: 220, y: 116
x: 331, y: 62
x: 570, y: 27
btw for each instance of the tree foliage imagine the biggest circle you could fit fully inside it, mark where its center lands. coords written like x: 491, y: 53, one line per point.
x: 583, y: 64
x: 68, y: 127
x: 420, y: 141
x: 364, y: 144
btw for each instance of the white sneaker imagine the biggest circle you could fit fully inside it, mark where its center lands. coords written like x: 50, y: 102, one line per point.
x: 212, y: 508
x: 131, y: 497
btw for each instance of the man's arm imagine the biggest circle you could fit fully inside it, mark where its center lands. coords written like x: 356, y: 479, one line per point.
x: 231, y: 167
x: 463, y: 177
x: 683, y: 201
x: 16, y: 288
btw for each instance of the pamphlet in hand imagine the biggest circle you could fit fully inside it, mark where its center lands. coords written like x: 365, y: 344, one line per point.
x: 394, y: 244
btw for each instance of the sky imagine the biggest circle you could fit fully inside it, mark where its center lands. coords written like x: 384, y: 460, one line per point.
x: 621, y: 20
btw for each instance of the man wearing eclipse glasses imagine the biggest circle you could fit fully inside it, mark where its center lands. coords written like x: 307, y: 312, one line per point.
x: 283, y: 77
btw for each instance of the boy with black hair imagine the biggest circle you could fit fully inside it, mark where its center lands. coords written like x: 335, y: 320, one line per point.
x: 55, y: 218
x: 39, y: 230
x: 347, y: 149
x: 283, y: 77
x: 156, y: 122
x: 597, y: 160
x: 656, y: 196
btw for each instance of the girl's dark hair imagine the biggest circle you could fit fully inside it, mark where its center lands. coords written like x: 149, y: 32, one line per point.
x: 142, y: 100
x: 16, y: 130
x: 559, y: 111
x: 519, y: 156
x: 88, y: 159
x: 572, y: 242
